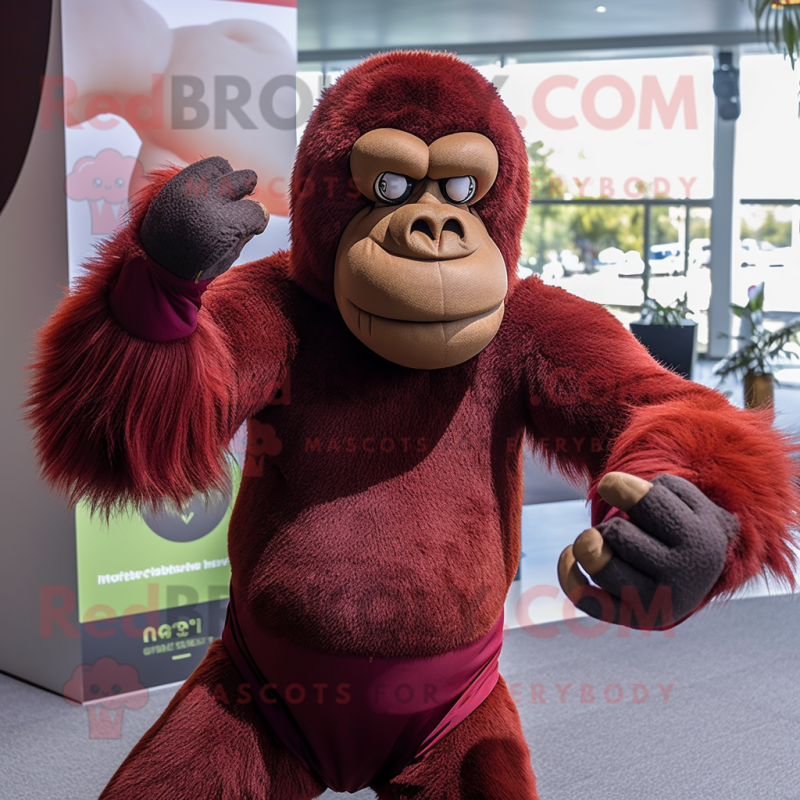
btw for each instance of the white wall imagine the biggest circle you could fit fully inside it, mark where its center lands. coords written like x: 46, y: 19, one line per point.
x: 37, y: 533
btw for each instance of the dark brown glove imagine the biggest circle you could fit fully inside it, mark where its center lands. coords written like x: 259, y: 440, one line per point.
x: 656, y: 567
x: 198, y: 223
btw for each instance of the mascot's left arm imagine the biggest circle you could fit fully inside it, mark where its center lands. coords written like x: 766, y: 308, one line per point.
x: 710, y: 491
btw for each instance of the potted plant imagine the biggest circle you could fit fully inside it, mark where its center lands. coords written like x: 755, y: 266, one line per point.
x: 762, y: 348
x: 670, y: 337
x: 779, y: 21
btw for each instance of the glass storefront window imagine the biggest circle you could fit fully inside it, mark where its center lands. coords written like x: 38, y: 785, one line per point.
x: 769, y: 253
x: 620, y: 128
x: 768, y: 131
x: 601, y: 136
x: 589, y: 249
x: 768, y: 180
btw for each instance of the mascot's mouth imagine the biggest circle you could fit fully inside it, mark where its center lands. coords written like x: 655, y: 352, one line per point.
x: 377, y: 283
x: 363, y: 320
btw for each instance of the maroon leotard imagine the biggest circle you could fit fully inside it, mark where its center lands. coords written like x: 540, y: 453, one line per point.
x: 353, y: 721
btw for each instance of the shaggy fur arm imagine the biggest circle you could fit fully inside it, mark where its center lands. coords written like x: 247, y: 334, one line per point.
x: 738, y: 461
x: 120, y: 420
x: 599, y: 403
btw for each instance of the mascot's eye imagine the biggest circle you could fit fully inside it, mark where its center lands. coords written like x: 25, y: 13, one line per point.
x: 120, y: 182
x: 94, y: 689
x: 393, y: 188
x: 459, y: 190
x: 116, y: 689
x: 97, y: 182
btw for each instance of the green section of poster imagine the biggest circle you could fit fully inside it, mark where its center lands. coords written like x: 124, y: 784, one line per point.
x: 140, y: 562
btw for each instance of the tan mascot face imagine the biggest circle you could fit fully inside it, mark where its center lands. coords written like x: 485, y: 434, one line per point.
x: 418, y: 279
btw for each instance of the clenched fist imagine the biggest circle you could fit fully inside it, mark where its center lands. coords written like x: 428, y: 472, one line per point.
x: 656, y: 567
x: 199, y: 222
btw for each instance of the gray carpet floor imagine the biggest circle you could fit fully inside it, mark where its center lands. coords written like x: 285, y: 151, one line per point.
x: 730, y: 726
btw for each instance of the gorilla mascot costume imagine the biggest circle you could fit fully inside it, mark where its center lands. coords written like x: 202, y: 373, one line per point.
x: 371, y: 557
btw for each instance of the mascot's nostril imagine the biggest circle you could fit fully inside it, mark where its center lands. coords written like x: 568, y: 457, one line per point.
x: 454, y: 226
x: 422, y: 226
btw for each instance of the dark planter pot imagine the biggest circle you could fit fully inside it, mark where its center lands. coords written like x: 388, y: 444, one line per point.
x: 675, y: 347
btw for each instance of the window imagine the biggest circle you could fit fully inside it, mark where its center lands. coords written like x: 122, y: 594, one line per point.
x: 621, y: 157
x: 768, y: 181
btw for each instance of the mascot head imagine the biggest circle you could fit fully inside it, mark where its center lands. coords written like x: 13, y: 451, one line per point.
x: 409, y: 194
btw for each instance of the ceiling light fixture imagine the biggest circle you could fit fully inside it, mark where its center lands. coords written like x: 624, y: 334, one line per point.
x: 602, y: 9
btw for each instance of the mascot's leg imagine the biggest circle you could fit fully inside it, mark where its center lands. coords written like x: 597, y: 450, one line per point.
x: 483, y: 758
x: 209, y: 746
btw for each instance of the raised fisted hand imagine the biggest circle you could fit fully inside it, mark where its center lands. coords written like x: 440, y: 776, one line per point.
x: 199, y: 222
x: 656, y: 567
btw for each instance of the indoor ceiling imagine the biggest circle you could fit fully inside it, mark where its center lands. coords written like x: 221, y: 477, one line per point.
x: 353, y: 28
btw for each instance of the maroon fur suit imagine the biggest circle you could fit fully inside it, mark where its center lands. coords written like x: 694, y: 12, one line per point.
x: 387, y: 525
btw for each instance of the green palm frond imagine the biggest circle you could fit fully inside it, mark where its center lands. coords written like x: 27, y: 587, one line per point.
x: 762, y: 349
x: 779, y: 21
x: 762, y: 352
x: 653, y: 313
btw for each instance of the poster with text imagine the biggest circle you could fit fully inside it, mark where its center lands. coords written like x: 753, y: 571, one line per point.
x: 150, y: 83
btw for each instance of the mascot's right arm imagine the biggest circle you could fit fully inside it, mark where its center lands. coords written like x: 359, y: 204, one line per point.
x: 372, y: 555
x: 130, y: 408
